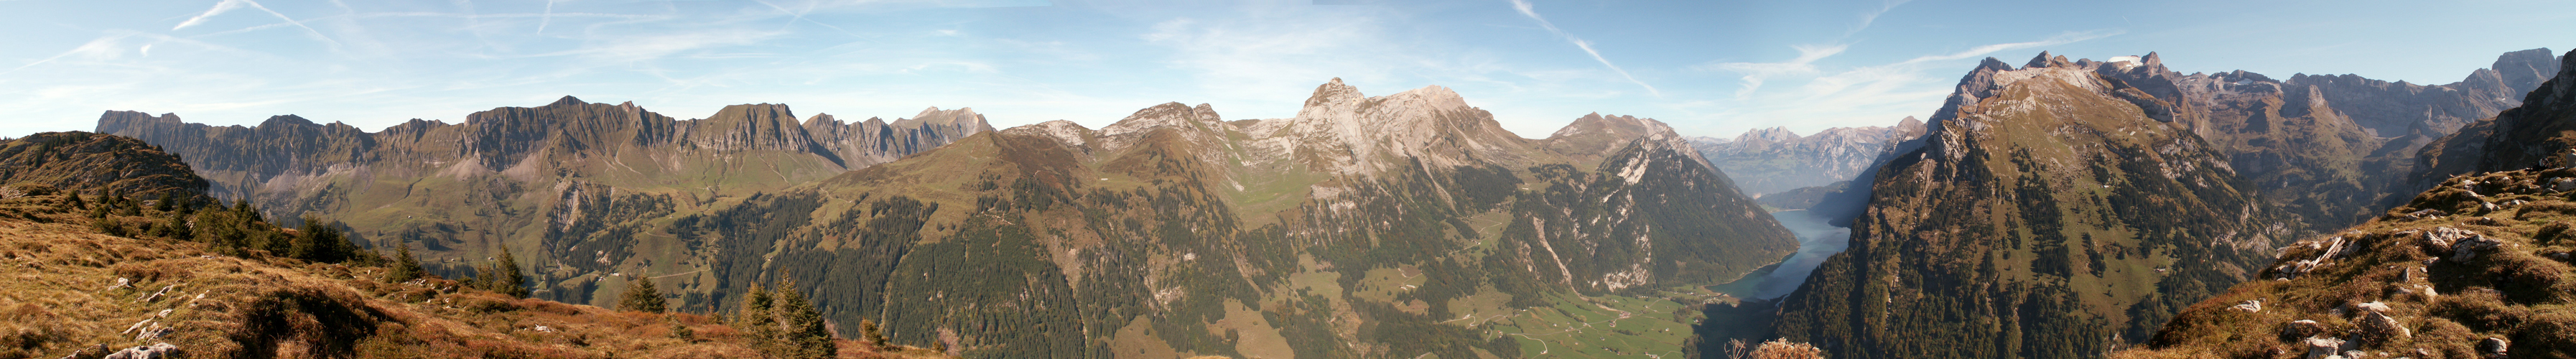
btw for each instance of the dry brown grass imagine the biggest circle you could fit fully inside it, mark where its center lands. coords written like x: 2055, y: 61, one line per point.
x: 55, y: 299
x: 2522, y: 291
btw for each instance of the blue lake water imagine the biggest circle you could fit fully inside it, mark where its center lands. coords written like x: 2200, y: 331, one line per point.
x: 1816, y: 241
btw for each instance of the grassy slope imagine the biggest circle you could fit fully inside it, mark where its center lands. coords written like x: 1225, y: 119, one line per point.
x: 2520, y: 291
x: 60, y: 301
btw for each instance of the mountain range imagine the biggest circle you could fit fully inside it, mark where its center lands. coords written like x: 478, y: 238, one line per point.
x: 1769, y: 161
x: 528, y: 177
x: 2060, y: 208
x: 1395, y: 225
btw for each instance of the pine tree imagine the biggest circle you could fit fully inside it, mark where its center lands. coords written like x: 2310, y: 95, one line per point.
x: 804, y: 336
x: 640, y: 295
x: 681, y: 331
x: 125, y: 206
x: 175, y: 226
x: 108, y: 226
x: 406, y: 268
x: 320, y: 243
x: 869, y: 334
x: 755, y: 322
x: 224, y: 231
x: 244, y: 209
x: 506, y: 278
x: 167, y: 202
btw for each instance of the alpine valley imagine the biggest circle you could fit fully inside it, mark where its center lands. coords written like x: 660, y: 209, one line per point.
x: 1389, y: 226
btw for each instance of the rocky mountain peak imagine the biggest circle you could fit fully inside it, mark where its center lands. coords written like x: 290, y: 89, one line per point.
x: 963, y: 119
x: 1169, y: 114
x: 1910, y: 125
x: 1433, y: 96
x: 2526, y: 69
x: 1333, y: 92
x: 752, y: 126
x: 1774, y: 134
x: 568, y: 100
x: 291, y: 120
x: 822, y: 119
x: 113, y: 121
x: 1595, y: 123
x: 1073, y: 134
x: 1342, y: 130
x: 2530, y: 135
x: 2046, y: 60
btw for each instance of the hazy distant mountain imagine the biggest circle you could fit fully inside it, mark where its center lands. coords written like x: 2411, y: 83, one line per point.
x: 2325, y: 147
x: 1773, y: 160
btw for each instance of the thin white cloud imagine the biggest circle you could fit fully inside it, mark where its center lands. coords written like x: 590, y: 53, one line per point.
x: 220, y: 8
x: 1526, y: 10
x: 1981, y: 51
x: 230, y: 5
x: 548, y: 18
x: 102, y: 47
x: 1870, y: 17
x: 1274, y: 55
x: 1866, y: 95
x: 1756, y: 72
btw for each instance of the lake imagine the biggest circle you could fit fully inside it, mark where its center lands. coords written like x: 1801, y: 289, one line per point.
x: 1816, y: 241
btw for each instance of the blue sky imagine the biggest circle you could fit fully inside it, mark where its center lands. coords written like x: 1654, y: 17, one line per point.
x: 1711, y: 68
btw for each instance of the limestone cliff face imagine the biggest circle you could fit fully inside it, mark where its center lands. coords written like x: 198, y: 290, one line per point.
x: 2393, y: 109
x: 565, y: 133
x: 875, y: 141
x: 2535, y: 134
